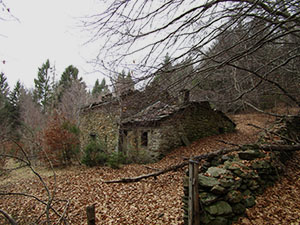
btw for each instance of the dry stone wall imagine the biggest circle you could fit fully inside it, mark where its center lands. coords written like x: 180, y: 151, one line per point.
x: 228, y: 184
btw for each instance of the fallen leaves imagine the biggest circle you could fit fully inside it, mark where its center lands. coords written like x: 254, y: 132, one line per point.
x: 150, y: 201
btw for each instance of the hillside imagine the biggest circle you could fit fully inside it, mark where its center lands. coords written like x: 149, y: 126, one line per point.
x: 151, y: 201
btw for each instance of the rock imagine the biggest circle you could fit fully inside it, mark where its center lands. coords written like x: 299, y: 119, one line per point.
x: 244, y: 187
x: 250, y: 154
x: 237, y: 184
x: 247, y: 193
x: 234, y: 165
x: 238, y: 172
x: 231, y: 165
x: 218, y: 190
x: 226, y: 182
x: 262, y: 164
x: 216, y: 171
x: 206, y: 218
x: 207, y: 198
x: 253, y: 185
x: 205, y: 181
x: 219, y: 221
x: 234, y: 196
x: 249, y: 202
x: 225, y: 158
x: 219, y: 208
x: 239, y: 208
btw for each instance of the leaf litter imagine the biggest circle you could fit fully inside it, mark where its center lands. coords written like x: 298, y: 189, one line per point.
x: 154, y: 200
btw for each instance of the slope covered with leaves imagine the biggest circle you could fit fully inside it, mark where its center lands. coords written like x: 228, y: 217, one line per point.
x: 151, y: 201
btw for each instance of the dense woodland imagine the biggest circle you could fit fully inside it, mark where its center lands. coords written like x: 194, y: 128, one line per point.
x: 240, y: 55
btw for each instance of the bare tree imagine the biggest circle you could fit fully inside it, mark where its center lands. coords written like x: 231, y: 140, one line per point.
x: 137, y: 34
x: 73, y: 98
x: 22, y: 160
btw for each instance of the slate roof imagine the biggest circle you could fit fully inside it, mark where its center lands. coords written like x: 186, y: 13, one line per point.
x: 154, y: 112
x: 160, y: 110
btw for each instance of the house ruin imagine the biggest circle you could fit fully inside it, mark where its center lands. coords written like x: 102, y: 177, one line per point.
x: 135, y: 122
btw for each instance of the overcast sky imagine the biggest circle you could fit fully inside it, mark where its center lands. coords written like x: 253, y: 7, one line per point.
x: 47, y: 29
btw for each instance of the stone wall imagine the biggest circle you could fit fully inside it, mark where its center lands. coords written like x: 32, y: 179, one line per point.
x: 228, y: 184
x: 196, y: 121
x: 202, y: 121
x: 160, y: 140
x: 101, y: 123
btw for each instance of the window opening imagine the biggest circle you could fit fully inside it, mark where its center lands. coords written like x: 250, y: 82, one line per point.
x: 144, y: 138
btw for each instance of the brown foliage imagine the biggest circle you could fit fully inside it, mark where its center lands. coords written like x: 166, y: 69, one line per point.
x: 59, y: 141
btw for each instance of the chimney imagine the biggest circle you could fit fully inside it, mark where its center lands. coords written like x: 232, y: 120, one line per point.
x: 184, y: 97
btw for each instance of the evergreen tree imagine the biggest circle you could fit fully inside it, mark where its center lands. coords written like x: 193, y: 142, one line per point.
x: 70, y: 73
x: 100, y: 88
x: 13, y: 109
x: 4, y: 88
x: 43, y: 89
x: 14, y: 96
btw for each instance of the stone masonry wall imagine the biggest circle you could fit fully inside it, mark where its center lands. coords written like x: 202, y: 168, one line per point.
x: 102, y: 124
x: 228, y: 184
x: 196, y: 121
x: 203, y: 121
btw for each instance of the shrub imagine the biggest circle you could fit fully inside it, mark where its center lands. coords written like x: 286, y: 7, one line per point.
x: 116, y: 159
x: 95, y: 154
x: 60, y: 140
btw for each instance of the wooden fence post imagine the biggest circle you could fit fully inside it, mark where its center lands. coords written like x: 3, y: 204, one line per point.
x: 90, y: 212
x: 193, y: 202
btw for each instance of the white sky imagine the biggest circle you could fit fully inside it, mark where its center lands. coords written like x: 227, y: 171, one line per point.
x: 48, y: 29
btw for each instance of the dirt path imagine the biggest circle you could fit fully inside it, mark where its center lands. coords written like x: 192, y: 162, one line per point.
x: 151, y: 201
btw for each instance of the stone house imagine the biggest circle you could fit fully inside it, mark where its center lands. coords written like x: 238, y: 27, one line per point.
x: 152, y: 127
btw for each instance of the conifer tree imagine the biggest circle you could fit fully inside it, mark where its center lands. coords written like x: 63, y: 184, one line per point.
x: 13, y: 109
x: 4, y: 88
x: 99, y: 88
x: 43, y: 89
x: 70, y: 73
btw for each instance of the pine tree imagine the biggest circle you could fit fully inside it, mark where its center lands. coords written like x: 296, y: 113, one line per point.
x: 43, y: 89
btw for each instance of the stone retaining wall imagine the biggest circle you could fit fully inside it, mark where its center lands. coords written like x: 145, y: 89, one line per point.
x: 228, y: 184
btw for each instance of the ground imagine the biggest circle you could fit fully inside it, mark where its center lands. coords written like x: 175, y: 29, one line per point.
x: 150, y: 201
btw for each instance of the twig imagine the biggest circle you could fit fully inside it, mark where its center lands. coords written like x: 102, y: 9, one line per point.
x: 271, y: 132
x: 229, y: 143
x: 151, y: 168
x: 8, y: 217
x: 267, y: 113
x: 64, y: 213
